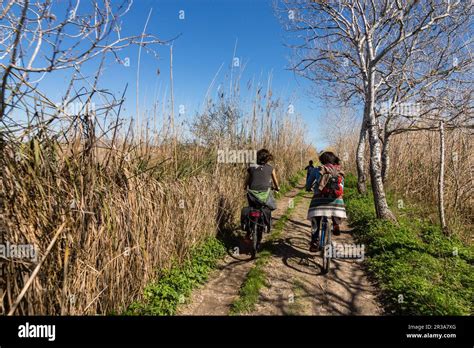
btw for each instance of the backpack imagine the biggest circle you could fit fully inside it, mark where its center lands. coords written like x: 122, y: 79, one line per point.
x: 334, y: 187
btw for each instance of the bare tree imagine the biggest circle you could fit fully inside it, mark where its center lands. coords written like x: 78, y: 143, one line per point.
x: 40, y: 40
x: 351, y: 43
x: 420, y: 75
x: 42, y: 37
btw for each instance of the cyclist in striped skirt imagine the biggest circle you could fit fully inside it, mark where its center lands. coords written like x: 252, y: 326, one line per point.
x: 328, y: 183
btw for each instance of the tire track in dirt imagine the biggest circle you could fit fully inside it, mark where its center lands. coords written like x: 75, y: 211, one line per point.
x: 296, y: 285
x: 217, y: 295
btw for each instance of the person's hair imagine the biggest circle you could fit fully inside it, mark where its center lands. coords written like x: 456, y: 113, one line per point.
x: 329, y: 157
x: 311, y: 162
x: 264, y: 156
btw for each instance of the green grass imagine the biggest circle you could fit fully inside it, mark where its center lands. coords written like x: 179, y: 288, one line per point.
x: 255, y: 279
x: 419, y: 270
x: 250, y: 290
x: 293, y: 182
x: 280, y: 224
x: 175, y: 285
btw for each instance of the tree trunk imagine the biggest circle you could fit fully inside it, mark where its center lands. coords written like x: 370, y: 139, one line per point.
x: 360, y: 159
x: 385, y: 158
x: 380, y: 200
x: 442, y: 217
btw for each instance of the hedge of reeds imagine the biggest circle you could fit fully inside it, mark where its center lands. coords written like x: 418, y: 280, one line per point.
x: 126, y: 210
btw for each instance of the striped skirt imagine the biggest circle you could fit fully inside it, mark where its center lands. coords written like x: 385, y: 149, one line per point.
x: 324, y: 206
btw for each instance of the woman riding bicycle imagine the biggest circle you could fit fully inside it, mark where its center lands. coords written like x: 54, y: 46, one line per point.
x: 258, y: 183
x: 328, y: 182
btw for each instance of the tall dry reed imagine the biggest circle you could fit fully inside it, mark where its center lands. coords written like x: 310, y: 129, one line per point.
x: 130, y: 204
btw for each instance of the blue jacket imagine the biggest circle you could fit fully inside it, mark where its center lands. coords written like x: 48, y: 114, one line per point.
x: 312, y: 179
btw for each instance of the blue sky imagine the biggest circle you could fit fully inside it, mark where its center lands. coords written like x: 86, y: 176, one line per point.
x: 208, y: 35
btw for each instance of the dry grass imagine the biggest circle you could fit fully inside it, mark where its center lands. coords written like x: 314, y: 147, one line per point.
x: 131, y: 206
x: 415, y: 170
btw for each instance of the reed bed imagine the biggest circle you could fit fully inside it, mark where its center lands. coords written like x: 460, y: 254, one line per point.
x: 414, y: 175
x: 129, y: 206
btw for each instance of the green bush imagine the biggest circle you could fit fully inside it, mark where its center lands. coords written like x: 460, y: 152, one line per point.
x: 419, y: 270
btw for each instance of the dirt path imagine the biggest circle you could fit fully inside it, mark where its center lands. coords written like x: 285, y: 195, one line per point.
x: 295, y: 283
x: 217, y: 295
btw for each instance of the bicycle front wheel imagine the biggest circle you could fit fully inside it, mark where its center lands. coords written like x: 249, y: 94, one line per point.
x: 327, y: 248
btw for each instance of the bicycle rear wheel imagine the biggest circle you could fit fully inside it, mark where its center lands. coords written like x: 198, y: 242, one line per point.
x: 254, y: 240
x: 327, y: 245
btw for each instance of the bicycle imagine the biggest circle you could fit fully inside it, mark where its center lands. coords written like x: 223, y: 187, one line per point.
x: 257, y: 225
x: 325, y: 244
